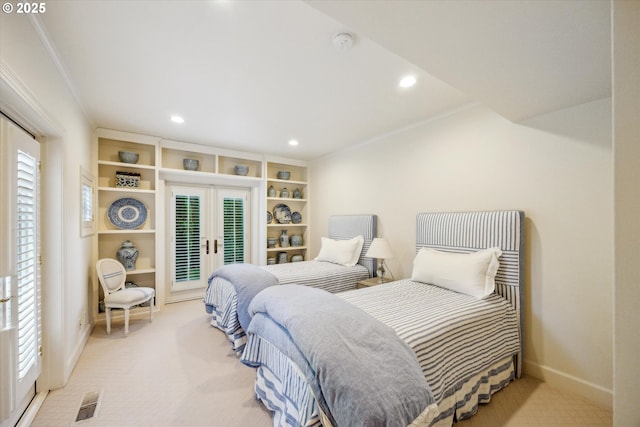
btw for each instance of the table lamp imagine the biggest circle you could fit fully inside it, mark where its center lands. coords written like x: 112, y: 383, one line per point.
x: 380, y: 249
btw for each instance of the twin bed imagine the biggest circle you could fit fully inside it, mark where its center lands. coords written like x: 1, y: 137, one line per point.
x: 321, y: 357
x: 221, y: 299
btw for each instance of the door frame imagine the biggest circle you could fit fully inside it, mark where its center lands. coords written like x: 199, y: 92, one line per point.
x: 19, y: 103
x: 257, y: 196
x: 206, y: 228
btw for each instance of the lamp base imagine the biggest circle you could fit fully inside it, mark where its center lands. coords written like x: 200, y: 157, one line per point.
x: 381, y: 276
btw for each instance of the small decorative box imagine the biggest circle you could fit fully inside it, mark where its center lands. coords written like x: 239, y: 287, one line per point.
x: 127, y: 179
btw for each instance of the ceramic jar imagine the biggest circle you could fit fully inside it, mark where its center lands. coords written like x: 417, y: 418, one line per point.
x: 284, y: 193
x: 284, y: 239
x: 297, y: 194
x: 282, y: 258
x: 127, y: 255
x: 296, y: 240
x: 271, y: 192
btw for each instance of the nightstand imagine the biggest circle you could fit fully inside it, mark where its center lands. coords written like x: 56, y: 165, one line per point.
x: 374, y: 281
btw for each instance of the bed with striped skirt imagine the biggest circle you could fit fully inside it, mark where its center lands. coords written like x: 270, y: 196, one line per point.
x: 221, y: 302
x: 468, y: 348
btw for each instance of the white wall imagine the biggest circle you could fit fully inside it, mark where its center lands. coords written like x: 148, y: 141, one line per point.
x: 559, y: 172
x: 626, y: 105
x: 27, y: 63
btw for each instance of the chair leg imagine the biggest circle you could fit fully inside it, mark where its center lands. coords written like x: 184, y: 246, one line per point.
x: 126, y: 322
x: 151, y: 310
x: 108, y: 316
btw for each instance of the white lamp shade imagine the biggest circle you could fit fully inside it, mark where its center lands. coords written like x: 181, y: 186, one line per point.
x: 379, y: 249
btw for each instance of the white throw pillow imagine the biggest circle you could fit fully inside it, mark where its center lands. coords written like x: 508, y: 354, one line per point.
x: 471, y: 274
x: 344, y: 252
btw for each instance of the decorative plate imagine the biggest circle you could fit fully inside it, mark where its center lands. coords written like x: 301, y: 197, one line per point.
x: 269, y: 217
x: 127, y: 213
x: 296, y: 218
x: 282, y: 213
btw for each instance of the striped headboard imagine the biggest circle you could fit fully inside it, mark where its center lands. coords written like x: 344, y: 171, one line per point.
x: 465, y: 232
x: 347, y: 226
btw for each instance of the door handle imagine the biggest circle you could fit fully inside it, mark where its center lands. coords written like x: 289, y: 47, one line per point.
x: 207, y: 246
x: 215, y: 246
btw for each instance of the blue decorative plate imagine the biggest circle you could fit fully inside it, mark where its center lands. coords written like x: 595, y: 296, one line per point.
x: 127, y: 213
x: 296, y: 218
x: 282, y: 213
x: 269, y: 217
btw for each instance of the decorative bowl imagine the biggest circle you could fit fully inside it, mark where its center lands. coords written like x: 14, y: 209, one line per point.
x: 191, y: 164
x: 271, y: 242
x: 128, y: 156
x: 297, y: 258
x: 284, y: 174
x: 241, y: 169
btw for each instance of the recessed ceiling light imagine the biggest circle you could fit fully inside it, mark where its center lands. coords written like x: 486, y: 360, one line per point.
x: 408, y: 81
x: 293, y: 142
x: 177, y: 119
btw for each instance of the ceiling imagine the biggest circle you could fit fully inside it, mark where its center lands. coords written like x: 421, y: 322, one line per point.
x: 251, y: 75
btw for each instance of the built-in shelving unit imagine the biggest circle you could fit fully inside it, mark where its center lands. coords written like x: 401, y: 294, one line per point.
x: 161, y: 161
x: 110, y: 237
x: 298, y: 180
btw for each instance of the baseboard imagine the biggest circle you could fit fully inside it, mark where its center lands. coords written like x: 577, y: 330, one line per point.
x: 593, y: 392
x: 32, y: 410
x: 77, y: 352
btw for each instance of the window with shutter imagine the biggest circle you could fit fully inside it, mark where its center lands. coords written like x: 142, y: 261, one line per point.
x: 187, y: 240
x: 234, y: 223
x: 27, y: 263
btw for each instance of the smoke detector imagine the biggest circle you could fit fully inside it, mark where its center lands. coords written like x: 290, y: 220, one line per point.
x: 343, y: 41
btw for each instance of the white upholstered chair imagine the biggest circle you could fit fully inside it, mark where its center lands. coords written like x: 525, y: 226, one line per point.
x: 112, y: 275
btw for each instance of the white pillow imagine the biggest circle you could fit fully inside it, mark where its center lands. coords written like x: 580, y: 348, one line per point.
x: 471, y: 274
x: 344, y: 252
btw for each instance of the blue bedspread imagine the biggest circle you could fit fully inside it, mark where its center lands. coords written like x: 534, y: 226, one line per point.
x: 248, y: 280
x: 361, y: 373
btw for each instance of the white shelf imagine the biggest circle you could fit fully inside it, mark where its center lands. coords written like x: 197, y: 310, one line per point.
x: 126, y: 190
x: 141, y: 231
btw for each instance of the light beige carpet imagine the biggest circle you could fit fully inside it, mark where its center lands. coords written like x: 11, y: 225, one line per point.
x: 176, y: 371
x: 180, y: 371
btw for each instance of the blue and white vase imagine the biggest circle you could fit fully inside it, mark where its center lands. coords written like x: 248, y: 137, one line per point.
x: 127, y: 255
x: 296, y: 240
x: 284, y: 239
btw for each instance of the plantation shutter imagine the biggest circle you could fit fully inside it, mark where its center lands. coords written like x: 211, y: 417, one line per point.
x: 187, y: 246
x: 27, y: 267
x: 233, y: 223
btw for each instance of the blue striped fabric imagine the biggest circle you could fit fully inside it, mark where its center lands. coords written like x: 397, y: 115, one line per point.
x: 465, y: 232
x: 457, y: 338
x: 347, y: 226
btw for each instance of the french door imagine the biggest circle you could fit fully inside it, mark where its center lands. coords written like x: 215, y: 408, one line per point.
x: 20, y: 317
x: 208, y: 226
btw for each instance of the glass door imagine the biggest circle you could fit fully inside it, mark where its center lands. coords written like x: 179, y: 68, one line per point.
x: 20, y: 314
x: 189, y: 237
x: 232, y: 226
